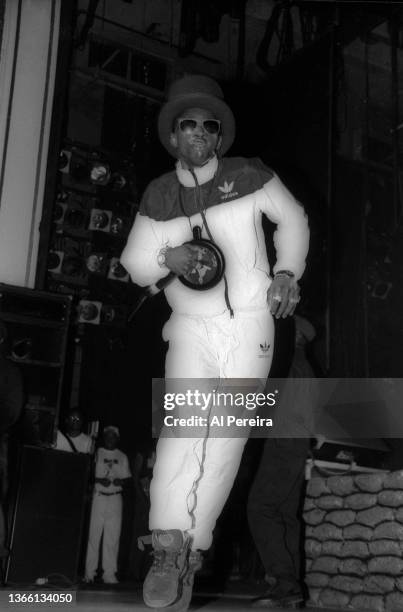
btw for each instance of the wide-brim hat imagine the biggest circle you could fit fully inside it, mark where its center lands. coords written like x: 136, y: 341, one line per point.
x: 195, y: 91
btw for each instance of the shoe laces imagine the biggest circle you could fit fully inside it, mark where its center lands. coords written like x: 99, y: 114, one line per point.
x: 165, y: 559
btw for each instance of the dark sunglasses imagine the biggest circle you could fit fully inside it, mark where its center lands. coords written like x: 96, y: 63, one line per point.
x: 212, y: 126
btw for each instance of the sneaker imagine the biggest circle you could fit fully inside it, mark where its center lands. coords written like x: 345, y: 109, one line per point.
x: 163, y: 583
x: 194, y: 563
x: 280, y: 597
x: 195, y: 560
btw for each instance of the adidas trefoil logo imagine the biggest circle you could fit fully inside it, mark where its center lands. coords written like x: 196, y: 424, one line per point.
x: 265, y: 347
x: 226, y: 189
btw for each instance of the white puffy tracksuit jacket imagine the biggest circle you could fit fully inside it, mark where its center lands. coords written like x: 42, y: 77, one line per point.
x: 193, y: 476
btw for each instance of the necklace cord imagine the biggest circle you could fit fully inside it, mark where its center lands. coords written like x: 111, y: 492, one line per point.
x: 201, y: 207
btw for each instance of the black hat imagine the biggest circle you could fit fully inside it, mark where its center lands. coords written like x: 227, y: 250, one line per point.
x: 195, y: 91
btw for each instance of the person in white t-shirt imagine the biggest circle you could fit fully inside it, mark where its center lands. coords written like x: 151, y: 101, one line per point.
x: 72, y: 439
x: 111, y: 472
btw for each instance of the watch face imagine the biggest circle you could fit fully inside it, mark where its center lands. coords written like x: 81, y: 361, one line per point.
x: 210, y: 265
x: 206, y: 268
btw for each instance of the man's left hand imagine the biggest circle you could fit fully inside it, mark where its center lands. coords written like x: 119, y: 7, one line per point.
x: 283, y: 296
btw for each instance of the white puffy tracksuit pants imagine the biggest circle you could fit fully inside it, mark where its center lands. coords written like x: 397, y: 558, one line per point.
x: 106, y: 519
x: 193, y: 477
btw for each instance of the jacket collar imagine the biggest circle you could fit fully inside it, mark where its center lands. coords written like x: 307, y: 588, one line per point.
x: 203, y: 173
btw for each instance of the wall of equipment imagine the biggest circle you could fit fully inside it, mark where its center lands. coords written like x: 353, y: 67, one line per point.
x: 366, y: 218
x: 104, y: 162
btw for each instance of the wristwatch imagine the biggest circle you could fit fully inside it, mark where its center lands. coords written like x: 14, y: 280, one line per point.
x: 285, y: 273
x: 162, y: 256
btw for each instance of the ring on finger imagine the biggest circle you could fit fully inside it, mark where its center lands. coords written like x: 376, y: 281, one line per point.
x: 276, y: 298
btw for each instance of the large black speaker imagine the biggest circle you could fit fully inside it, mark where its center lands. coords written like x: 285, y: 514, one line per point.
x: 37, y: 325
x: 48, y: 515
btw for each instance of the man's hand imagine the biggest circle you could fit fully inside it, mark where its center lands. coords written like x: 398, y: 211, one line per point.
x: 181, y: 259
x: 283, y: 296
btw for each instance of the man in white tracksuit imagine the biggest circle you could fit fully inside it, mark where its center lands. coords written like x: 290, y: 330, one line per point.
x: 225, y: 332
x: 111, y: 471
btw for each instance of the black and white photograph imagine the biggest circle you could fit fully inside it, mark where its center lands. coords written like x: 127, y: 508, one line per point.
x: 201, y: 305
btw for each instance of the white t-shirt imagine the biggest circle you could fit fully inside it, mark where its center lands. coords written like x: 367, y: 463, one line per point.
x: 82, y: 443
x: 110, y: 464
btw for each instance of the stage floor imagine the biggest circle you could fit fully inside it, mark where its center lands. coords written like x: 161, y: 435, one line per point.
x: 125, y: 600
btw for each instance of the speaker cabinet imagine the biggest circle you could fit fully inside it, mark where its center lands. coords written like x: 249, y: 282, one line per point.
x: 37, y: 325
x: 48, y: 515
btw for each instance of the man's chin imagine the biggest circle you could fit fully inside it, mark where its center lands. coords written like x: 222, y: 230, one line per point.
x: 199, y: 158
